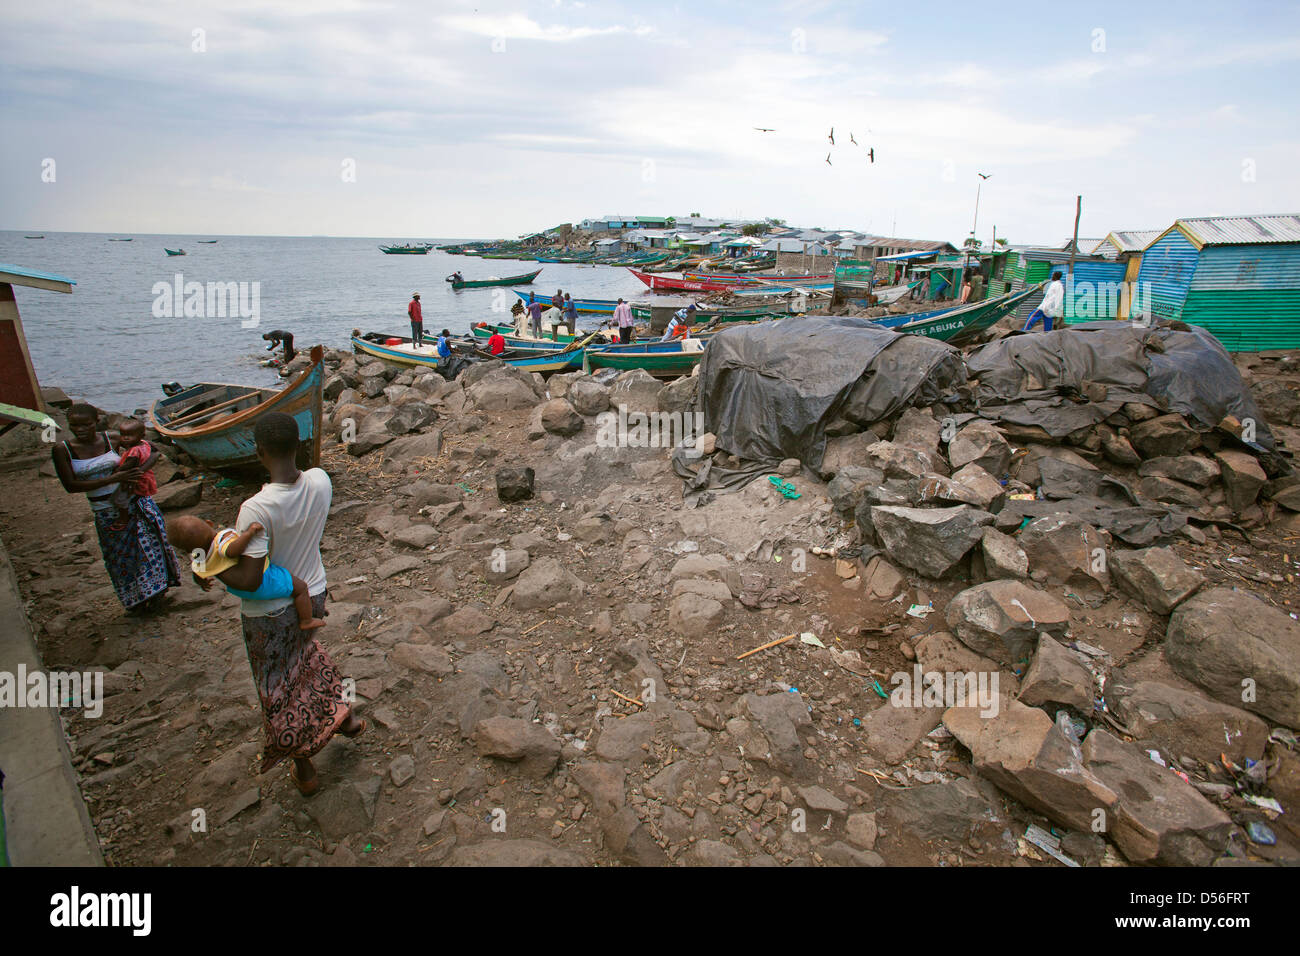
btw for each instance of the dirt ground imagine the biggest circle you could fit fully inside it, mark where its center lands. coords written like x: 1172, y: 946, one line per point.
x: 637, y: 782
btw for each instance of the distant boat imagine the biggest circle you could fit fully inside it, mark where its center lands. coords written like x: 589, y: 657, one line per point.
x: 33, y: 237
x: 120, y: 240
x: 420, y: 249
x: 524, y: 279
x: 174, y: 252
x: 207, y: 242
x: 214, y: 422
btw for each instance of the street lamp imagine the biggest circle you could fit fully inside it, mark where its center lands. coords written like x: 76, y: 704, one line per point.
x: 975, y: 224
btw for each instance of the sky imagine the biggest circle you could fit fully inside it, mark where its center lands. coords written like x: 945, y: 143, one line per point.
x: 480, y: 119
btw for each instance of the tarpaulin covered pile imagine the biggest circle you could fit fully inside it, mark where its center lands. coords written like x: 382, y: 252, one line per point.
x: 1075, y: 377
x: 767, y: 391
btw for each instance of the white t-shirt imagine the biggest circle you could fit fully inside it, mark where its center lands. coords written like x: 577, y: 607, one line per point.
x: 294, y: 519
x: 1053, y: 299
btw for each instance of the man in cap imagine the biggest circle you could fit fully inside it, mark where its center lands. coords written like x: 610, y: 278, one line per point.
x: 417, y: 320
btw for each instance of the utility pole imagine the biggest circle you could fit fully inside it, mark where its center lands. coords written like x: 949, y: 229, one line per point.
x: 1074, y: 244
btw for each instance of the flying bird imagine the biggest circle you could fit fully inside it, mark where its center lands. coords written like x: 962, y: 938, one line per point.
x: 828, y: 160
x: 871, y: 154
x: 851, y: 139
x: 832, y: 136
x: 763, y: 129
x: 983, y: 175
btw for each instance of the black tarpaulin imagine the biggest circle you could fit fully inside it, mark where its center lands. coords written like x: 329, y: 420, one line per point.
x: 1051, y: 379
x: 768, y: 390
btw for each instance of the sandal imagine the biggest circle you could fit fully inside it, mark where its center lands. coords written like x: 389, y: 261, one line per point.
x: 361, y: 729
x: 306, y: 789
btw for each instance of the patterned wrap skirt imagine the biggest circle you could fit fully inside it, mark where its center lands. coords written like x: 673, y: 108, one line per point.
x: 140, y: 561
x: 300, y: 688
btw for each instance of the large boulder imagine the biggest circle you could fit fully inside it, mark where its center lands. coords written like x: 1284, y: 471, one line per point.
x: 559, y: 417
x: 1003, y: 558
x: 1163, y: 437
x: 1242, y: 478
x: 1064, y: 550
x: 518, y: 741
x: 929, y: 540
x: 1190, y: 469
x: 545, y: 584
x: 1158, y: 819
x: 905, y: 461
x: 1057, y: 678
x: 637, y: 390
x: 693, y: 614
x: 1187, y: 723
x: 917, y: 428
x: 1155, y: 576
x: 680, y: 395
x: 980, y: 442
x: 1002, y: 619
x: 847, y: 451
x: 411, y: 416
x: 514, y: 483
x: 499, y: 390
x: 1026, y: 755
x: 1241, y: 650
x: 588, y: 396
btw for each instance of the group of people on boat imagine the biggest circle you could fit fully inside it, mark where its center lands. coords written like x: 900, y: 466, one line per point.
x: 270, y: 559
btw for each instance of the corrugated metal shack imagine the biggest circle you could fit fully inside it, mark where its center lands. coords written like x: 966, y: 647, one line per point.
x: 1237, y: 276
x: 1095, y: 292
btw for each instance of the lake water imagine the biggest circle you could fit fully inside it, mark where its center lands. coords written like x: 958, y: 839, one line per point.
x: 104, y: 344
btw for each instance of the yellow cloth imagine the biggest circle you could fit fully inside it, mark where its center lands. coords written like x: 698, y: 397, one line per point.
x: 217, y: 560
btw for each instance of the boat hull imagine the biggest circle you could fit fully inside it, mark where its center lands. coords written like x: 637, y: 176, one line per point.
x: 229, y: 443
x: 524, y: 279
x: 660, y: 359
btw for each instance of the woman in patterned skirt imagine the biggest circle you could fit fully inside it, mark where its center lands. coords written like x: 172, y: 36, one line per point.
x: 139, y: 560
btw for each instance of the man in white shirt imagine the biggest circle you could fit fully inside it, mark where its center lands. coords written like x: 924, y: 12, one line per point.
x: 301, y: 691
x: 1052, y: 306
x: 623, y: 319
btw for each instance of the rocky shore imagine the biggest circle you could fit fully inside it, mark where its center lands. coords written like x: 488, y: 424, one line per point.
x: 555, y: 664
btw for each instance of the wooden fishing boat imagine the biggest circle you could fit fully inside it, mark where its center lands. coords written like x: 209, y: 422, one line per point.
x: 960, y: 322
x: 587, y: 306
x: 726, y: 314
x: 213, y: 423
x: 174, y: 252
x: 885, y: 295
x: 665, y: 283
x: 661, y: 359
x: 542, y: 357
x: 121, y: 240
x: 804, y: 279
x: 420, y: 249
x: 524, y: 279
x: 207, y: 242
x: 33, y: 237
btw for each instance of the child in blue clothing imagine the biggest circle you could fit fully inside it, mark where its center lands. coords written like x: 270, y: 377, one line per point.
x: 215, y: 551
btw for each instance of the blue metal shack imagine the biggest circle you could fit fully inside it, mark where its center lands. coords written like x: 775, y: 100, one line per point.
x: 1238, y: 277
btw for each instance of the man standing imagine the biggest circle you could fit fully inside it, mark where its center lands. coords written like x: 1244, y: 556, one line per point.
x: 557, y: 300
x: 535, y: 317
x: 623, y: 319
x: 1052, y: 306
x: 570, y: 314
x: 417, y: 320
x: 300, y: 690
x: 977, y: 287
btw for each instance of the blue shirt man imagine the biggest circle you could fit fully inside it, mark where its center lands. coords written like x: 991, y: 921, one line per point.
x: 444, y: 345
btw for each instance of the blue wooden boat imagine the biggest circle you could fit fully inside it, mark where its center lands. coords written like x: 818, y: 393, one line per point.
x: 588, y: 306
x: 213, y: 423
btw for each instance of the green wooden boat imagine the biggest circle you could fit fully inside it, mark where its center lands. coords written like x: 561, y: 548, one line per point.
x: 954, y: 325
x: 661, y: 359
x: 524, y: 279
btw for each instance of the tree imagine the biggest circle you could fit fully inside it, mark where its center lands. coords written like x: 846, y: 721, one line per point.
x: 754, y: 229
x: 670, y: 222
